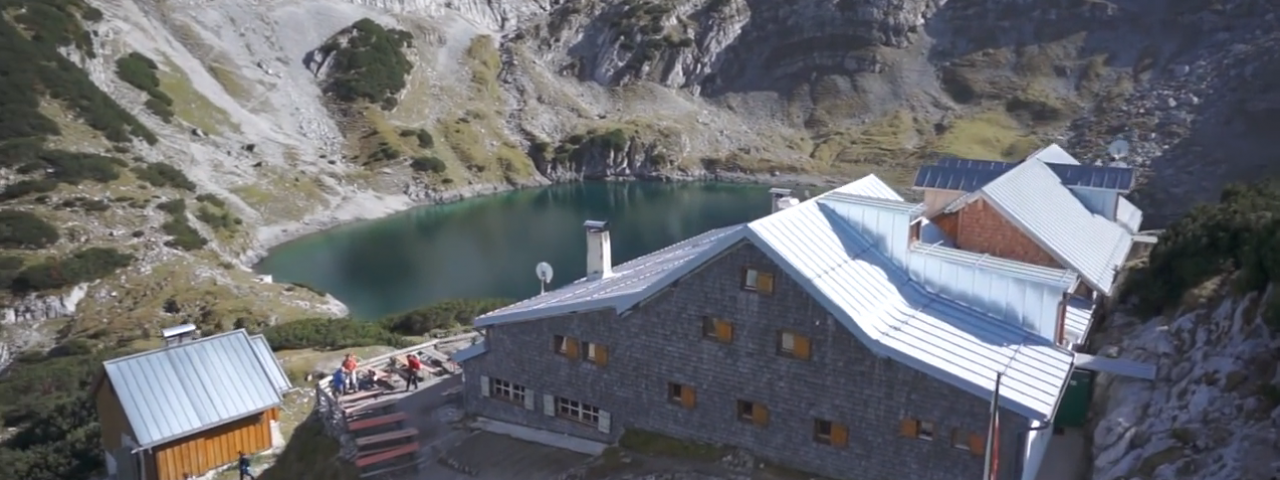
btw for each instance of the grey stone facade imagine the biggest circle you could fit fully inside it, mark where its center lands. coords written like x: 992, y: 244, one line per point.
x: 662, y: 342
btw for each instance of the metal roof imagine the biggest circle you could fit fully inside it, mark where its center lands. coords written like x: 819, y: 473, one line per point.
x: 896, y: 317
x: 1031, y: 197
x: 1128, y: 215
x: 1053, y: 154
x: 175, y: 391
x: 869, y: 294
x: 469, y: 352
x: 1116, y: 366
x: 1056, y: 277
x: 270, y: 363
x: 958, y: 178
x: 972, y: 164
x: 1078, y: 318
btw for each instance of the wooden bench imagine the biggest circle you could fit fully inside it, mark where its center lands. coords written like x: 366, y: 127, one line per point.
x: 376, y: 421
x: 386, y: 437
x: 355, y: 397
x: 379, y: 456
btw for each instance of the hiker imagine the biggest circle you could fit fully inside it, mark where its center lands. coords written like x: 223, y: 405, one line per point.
x: 244, y: 468
x: 411, y: 377
x: 349, y: 367
x: 339, y: 382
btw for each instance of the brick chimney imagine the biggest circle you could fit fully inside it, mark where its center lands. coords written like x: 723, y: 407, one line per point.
x: 599, y: 252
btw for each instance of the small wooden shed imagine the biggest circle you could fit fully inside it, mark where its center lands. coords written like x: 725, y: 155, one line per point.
x: 189, y: 407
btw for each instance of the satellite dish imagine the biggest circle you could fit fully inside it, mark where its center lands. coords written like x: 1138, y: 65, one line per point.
x: 1118, y: 149
x: 544, y: 272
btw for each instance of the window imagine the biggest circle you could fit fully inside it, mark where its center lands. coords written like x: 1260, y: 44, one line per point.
x: 753, y: 412
x: 915, y: 231
x: 757, y: 281
x: 959, y: 439
x: 596, y: 353
x: 504, y: 390
x: 920, y: 429
x: 717, y: 329
x: 682, y: 395
x: 830, y: 433
x: 577, y: 411
x: 793, y: 345
x: 565, y: 346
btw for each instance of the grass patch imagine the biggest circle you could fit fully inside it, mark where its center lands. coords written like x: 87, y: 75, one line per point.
x: 485, y: 63
x: 886, y: 147
x: 990, y: 135
x: 277, y: 195
x: 657, y: 444
x: 189, y: 104
x: 471, y: 138
x: 231, y: 82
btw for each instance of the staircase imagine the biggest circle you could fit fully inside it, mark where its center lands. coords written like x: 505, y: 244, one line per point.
x: 380, y: 440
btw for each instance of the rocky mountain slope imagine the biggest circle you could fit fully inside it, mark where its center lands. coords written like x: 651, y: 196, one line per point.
x: 277, y: 122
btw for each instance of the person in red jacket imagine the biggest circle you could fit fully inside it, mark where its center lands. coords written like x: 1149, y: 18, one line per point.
x: 349, y: 369
x: 415, y: 366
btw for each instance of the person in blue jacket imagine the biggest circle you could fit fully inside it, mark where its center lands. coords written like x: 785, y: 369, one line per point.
x: 339, y: 382
x: 244, y: 467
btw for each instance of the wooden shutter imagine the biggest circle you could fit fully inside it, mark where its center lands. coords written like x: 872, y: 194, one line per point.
x: 484, y: 386
x: 910, y: 428
x: 602, y: 355
x: 549, y: 405
x: 759, y: 414
x: 800, y: 346
x: 724, y: 330
x: 977, y: 444
x: 529, y: 399
x: 571, y: 348
x: 688, y: 398
x: 605, y: 422
x: 764, y: 283
x: 839, y: 435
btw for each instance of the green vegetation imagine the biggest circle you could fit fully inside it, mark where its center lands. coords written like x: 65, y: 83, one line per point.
x: 59, y: 166
x: 217, y: 218
x: 577, y: 147
x: 185, y: 236
x: 139, y: 71
x: 650, y: 443
x: 31, y: 69
x: 329, y: 334
x: 449, y: 314
x: 25, y: 230
x: 82, y: 266
x: 429, y: 164
x: 163, y: 175
x: 368, y: 63
x: 425, y: 140
x: 1239, y: 236
x: 47, y: 398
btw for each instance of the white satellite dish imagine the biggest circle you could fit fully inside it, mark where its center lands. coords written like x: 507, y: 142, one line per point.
x: 1118, y: 149
x: 545, y: 273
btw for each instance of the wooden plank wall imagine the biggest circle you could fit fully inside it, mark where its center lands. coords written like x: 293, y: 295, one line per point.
x: 214, y: 448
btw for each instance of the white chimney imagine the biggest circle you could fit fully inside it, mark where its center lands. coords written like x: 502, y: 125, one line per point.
x: 782, y: 199
x: 599, y: 253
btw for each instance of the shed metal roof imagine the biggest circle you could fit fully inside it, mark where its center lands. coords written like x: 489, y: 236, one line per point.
x: 1095, y: 176
x: 262, y: 350
x: 1031, y: 197
x: 869, y: 294
x: 173, y: 392
x: 958, y: 178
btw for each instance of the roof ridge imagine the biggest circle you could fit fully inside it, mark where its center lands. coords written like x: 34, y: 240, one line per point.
x: 168, y: 348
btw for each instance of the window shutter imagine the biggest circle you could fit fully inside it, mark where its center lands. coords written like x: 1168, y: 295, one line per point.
x: 687, y: 397
x: 977, y: 444
x: 801, y: 346
x: 529, y: 399
x: 571, y: 348
x: 839, y: 435
x: 724, y: 331
x: 760, y: 414
x: 764, y: 283
x: 549, y: 405
x: 605, y: 422
x: 602, y: 355
x: 910, y: 428
x: 484, y: 386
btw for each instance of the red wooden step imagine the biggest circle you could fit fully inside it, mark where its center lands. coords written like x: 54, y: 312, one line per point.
x: 387, y: 454
x: 383, y: 437
x: 376, y: 421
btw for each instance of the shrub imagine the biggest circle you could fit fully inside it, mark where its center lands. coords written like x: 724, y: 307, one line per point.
x: 138, y: 70
x: 329, y: 334
x: 217, y: 220
x: 429, y: 165
x: 211, y: 199
x: 1240, y: 235
x: 176, y: 207
x: 73, y: 167
x: 370, y: 65
x: 22, y: 188
x: 444, y: 315
x: 25, y: 230
x: 83, y: 266
x: 163, y: 175
x: 185, y: 236
x: 425, y: 140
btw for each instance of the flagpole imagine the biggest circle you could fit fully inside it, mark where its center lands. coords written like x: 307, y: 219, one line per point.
x: 992, y: 457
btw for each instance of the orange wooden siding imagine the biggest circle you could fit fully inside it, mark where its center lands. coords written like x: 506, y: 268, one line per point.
x: 215, y: 447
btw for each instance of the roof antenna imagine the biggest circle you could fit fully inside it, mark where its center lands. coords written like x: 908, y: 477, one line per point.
x: 544, y: 272
x: 1118, y: 150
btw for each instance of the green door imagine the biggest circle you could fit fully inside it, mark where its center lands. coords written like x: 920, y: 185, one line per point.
x: 1074, y: 409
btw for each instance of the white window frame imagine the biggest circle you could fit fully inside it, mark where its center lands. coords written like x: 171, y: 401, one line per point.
x: 925, y: 430
x: 578, y: 411
x: 751, y: 280
x: 508, y: 391
x: 562, y: 347
x: 590, y: 349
